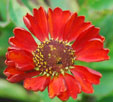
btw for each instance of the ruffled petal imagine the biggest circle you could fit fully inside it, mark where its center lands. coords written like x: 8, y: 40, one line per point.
x: 72, y: 85
x: 37, y: 23
x: 74, y: 27
x: 23, y: 60
x: 56, y: 20
x: 56, y: 86
x: 37, y: 83
x: 92, y: 75
x: 14, y: 75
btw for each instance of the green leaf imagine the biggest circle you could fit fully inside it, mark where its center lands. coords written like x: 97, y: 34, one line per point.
x: 4, y: 17
x: 34, y: 4
x: 108, y: 98
x: 3, y: 9
x: 81, y: 2
x: 100, y: 4
x: 12, y: 91
x: 17, y: 92
x: 28, y: 3
x: 17, y: 11
x: 106, y: 85
x: 65, y: 4
x: 5, y: 33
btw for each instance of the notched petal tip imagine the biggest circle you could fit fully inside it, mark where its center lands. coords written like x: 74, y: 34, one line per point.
x: 56, y: 86
x: 17, y: 28
x: 36, y: 84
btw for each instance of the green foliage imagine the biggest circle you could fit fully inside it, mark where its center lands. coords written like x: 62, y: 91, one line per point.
x: 17, y: 11
x: 106, y: 85
x: 65, y: 4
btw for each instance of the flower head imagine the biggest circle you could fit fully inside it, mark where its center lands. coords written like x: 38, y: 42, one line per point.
x: 64, y: 38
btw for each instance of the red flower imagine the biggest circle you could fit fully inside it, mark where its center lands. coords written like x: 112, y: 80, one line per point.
x: 64, y: 38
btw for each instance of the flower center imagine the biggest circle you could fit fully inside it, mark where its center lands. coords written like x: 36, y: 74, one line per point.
x: 53, y: 57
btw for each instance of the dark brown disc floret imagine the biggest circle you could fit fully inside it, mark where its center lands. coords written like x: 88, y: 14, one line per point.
x: 53, y: 57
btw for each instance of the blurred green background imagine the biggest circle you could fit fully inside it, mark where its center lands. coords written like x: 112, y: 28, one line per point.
x: 100, y: 12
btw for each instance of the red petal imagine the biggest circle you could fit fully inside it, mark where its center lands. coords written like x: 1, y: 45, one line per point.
x: 85, y: 36
x: 91, y: 55
x: 41, y: 17
x: 12, y: 48
x: 68, y: 26
x: 85, y: 84
x: 9, y: 63
x: 22, y: 59
x: 74, y: 27
x: 72, y: 85
x: 37, y: 23
x: 56, y: 20
x: 14, y: 75
x: 90, y: 48
x: 56, y: 86
x: 64, y: 96
x: 91, y: 75
x: 11, y: 71
x: 23, y: 39
x: 37, y: 83
x: 92, y: 44
x: 77, y: 23
x: 88, y: 34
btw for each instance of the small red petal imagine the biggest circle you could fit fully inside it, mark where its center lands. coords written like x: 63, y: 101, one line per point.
x: 19, y: 77
x: 68, y: 26
x: 20, y: 40
x: 85, y: 84
x: 72, y: 85
x: 92, y: 44
x: 9, y: 63
x: 36, y: 84
x: 91, y: 75
x: 11, y: 71
x: 74, y: 27
x: 77, y: 23
x: 86, y: 35
x: 89, y: 47
x: 56, y: 86
x: 12, y: 48
x: 93, y: 55
x: 14, y: 75
x: 37, y: 23
x: 64, y: 96
x: 22, y: 59
x: 15, y: 78
x: 40, y: 17
x: 56, y: 20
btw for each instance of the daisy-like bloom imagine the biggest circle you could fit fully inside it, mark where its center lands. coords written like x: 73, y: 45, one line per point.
x: 64, y: 38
